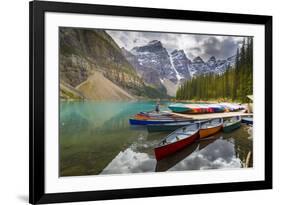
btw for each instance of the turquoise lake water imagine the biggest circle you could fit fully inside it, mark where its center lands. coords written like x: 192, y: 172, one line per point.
x: 96, y: 138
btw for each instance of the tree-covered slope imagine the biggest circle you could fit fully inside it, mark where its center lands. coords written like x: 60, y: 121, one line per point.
x: 235, y: 83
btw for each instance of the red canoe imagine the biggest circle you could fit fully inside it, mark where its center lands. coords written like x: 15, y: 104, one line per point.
x: 177, y: 140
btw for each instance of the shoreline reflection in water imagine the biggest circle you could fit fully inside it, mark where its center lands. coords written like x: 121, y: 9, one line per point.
x: 96, y: 138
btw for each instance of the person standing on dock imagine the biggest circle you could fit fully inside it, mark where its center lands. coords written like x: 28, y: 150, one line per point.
x: 157, y: 107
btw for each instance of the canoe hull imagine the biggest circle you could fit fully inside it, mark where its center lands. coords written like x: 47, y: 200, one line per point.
x: 231, y: 127
x: 163, y: 151
x: 209, y: 131
x: 194, y: 108
x: 164, y: 127
x: 179, y: 109
x: 150, y: 122
x: 248, y: 121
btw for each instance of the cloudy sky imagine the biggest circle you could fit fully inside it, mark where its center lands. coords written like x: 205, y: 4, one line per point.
x: 194, y: 45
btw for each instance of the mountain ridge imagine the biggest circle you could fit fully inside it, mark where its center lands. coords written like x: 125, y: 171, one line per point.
x: 147, y: 71
x: 154, y: 64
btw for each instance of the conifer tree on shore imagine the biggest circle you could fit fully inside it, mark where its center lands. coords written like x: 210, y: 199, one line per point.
x: 234, y: 84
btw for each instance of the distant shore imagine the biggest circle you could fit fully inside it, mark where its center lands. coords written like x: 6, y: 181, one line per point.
x: 158, y: 99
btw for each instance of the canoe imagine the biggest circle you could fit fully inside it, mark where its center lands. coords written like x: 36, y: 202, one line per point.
x: 232, y: 107
x: 173, y: 159
x: 210, y: 127
x: 247, y: 120
x: 155, y: 114
x: 196, y: 108
x: 165, y: 127
x: 140, y: 116
x: 134, y: 121
x: 207, y: 108
x: 177, y: 140
x: 231, y: 124
x: 179, y: 108
x: 216, y: 108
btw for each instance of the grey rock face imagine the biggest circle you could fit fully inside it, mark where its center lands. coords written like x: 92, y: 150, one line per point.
x: 212, y: 63
x: 83, y: 51
x: 181, y: 64
x: 149, y: 75
x: 199, y: 67
x: 154, y: 64
x: 74, y: 69
x: 155, y: 57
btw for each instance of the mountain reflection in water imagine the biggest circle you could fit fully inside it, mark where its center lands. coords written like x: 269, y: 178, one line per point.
x: 96, y: 138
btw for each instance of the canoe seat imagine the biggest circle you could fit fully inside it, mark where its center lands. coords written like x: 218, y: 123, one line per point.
x: 178, y: 137
x: 181, y: 137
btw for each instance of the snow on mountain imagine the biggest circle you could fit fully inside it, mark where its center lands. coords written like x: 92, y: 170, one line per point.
x: 159, y: 68
x: 181, y: 64
x: 155, y: 56
x: 179, y: 77
x: 212, y: 62
x: 199, y: 67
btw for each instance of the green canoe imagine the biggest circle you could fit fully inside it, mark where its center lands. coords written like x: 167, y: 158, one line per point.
x: 231, y: 124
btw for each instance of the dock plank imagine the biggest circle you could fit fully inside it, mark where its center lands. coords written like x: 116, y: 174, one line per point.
x: 211, y: 115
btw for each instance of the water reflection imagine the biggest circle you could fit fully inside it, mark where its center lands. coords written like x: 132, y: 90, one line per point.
x: 96, y: 138
x: 130, y: 162
x: 217, y: 154
x: 170, y: 161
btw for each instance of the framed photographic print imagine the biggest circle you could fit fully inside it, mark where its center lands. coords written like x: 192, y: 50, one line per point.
x: 140, y: 102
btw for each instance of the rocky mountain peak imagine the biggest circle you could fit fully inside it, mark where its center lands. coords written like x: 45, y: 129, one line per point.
x: 157, y: 66
x: 174, y: 52
x: 181, y: 64
x: 198, y: 59
x: 153, y: 57
x: 212, y: 62
x: 152, y: 46
x: 155, y: 42
x: 212, y: 58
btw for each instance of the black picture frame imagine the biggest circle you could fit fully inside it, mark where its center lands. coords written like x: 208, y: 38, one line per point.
x: 37, y: 9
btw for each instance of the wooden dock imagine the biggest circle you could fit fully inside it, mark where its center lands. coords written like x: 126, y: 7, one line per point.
x: 211, y: 115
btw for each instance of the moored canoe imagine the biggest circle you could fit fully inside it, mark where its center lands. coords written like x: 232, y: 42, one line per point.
x: 179, y: 108
x: 140, y: 116
x: 177, y: 140
x: 196, y: 108
x: 216, y: 108
x: 247, y: 120
x: 169, y: 161
x: 167, y: 126
x: 231, y: 124
x: 134, y: 121
x: 210, y: 127
x: 231, y: 107
x: 155, y: 114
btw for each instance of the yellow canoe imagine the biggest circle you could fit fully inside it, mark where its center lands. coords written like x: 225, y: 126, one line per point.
x: 210, y: 127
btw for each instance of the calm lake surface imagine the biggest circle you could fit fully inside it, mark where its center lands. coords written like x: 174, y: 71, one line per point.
x: 96, y: 138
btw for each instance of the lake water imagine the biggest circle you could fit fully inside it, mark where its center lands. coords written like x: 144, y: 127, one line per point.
x: 96, y: 138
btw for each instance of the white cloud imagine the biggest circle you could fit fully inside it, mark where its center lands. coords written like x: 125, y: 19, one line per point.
x: 193, y: 44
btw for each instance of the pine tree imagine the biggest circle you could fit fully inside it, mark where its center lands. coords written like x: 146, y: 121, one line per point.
x: 236, y: 76
x: 235, y: 83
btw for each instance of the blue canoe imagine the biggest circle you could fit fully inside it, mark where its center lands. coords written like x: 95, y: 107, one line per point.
x: 165, y: 127
x: 247, y: 120
x: 150, y: 122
